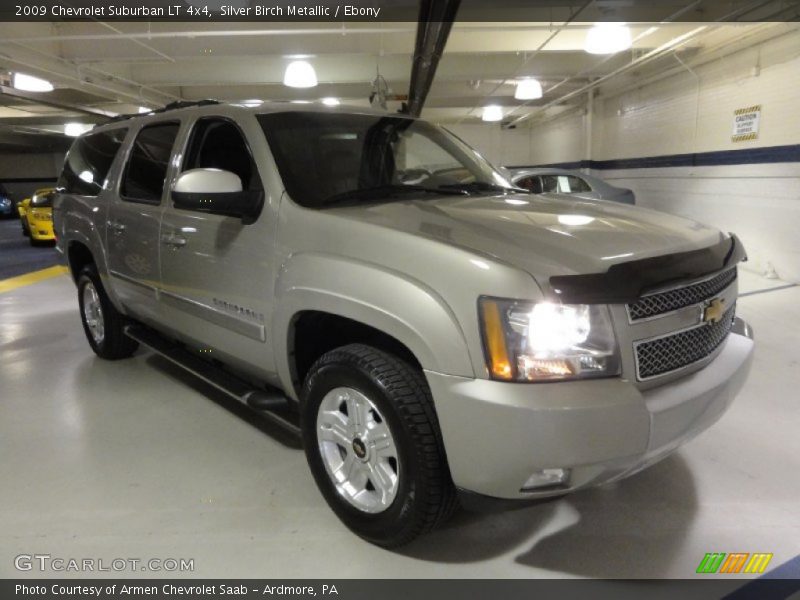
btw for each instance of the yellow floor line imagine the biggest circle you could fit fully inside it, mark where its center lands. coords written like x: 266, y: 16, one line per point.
x: 6, y: 285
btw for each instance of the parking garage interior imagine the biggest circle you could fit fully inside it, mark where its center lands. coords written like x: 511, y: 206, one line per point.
x: 102, y: 458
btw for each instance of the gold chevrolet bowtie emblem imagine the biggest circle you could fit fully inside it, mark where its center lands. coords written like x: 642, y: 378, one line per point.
x: 714, y: 311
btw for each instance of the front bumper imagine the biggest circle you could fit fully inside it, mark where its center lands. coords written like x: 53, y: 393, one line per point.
x: 498, y: 434
x: 41, y: 230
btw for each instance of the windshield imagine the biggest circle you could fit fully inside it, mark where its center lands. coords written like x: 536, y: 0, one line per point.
x: 43, y: 199
x: 333, y: 159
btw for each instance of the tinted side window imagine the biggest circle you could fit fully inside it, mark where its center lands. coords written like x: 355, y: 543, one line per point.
x: 219, y: 144
x: 532, y: 184
x: 147, y: 164
x: 550, y: 183
x: 574, y: 185
x: 88, y: 162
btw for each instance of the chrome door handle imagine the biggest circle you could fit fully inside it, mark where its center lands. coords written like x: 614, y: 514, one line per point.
x: 116, y: 227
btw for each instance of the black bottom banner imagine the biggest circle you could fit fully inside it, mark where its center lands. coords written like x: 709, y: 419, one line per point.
x: 397, y: 589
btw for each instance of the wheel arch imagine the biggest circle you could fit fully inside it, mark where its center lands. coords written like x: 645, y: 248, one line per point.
x: 81, y: 250
x: 78, y: 256
x: 368, y: 304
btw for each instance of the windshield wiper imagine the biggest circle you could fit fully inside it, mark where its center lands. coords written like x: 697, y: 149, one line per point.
x: 484, y: 186
x: 386, y: 191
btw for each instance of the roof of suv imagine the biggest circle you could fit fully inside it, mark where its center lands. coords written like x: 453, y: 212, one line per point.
x: 230, y: 108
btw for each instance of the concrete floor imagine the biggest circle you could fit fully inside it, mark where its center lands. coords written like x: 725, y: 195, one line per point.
x: 133, y: 459
x: 18, y: 256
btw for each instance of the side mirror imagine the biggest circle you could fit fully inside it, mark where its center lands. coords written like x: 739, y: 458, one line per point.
x: 217, y: 192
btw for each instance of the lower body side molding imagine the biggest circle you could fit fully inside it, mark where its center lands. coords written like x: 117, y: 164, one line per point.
x: 271, y: 403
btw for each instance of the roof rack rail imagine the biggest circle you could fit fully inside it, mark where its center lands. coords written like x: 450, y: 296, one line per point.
x: 168, y: 107
x: 123, y: 117
x: 184, y: 104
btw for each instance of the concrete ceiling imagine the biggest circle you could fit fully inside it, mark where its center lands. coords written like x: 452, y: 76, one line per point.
x: 115, y: 68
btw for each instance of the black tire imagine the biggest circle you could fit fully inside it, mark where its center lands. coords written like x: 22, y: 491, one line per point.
x: 114, y: 344
x: 25, y: 229
x: 425, y: 496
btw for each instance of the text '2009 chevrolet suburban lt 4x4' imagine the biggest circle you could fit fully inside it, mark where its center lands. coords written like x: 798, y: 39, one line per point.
x: 369, y: 281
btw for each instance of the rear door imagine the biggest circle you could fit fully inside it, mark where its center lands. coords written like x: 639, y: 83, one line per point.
x: 132, y: 232
x: 217, y: 272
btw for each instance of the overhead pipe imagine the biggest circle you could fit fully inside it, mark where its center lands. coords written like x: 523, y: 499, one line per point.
x: 527, y: 59
x: 657, y: 52
x: 435, y: 21
x: 41, y: 99
x: 653, y: 54
x: 62, y: 72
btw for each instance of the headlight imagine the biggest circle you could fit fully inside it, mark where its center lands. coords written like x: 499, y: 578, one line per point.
x: 524, y: 341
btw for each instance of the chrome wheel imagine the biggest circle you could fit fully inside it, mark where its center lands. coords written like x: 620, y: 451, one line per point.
x: 93, y: 313
x: 358, y: 450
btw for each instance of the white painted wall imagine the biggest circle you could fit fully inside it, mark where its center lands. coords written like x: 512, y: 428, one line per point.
x: 761, y: 202
x: 499, y: 147
x: 683, y: 114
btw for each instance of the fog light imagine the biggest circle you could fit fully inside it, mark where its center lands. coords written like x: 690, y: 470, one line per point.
x: 546, y: 478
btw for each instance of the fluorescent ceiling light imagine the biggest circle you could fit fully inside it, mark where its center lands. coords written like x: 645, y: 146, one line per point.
x: 300, y: 74
x: 528, y: 89
x: 492, y: 113
x: 608, y: 38
x: 143, y: 109
x: 29, y: 83
x: 75, y: 129
x: 331, y: 101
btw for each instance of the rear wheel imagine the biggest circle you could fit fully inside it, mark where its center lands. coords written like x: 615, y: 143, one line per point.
x: 373, y: 444
x: 102, y: 323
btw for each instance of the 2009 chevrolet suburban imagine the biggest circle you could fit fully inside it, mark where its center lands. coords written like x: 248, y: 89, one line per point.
x: 369, y: 280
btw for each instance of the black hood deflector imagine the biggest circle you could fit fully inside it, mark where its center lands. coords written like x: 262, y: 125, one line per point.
x: 626, y: 282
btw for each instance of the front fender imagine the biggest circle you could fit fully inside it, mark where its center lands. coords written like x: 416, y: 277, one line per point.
x: 402, y: 307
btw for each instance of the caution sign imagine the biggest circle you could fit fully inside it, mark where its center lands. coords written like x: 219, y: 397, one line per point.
x: 745, y: 123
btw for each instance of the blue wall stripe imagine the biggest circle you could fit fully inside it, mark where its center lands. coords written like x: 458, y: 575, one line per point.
x: 747, y: 156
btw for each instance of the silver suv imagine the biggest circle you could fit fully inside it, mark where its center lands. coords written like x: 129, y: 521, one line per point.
x: 435, y: 335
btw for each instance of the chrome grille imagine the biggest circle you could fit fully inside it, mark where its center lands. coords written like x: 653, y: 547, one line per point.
x: 664, y: 302
x: 674, y: 351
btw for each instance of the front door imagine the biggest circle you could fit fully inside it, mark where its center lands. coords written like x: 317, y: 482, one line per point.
x: 217, y: 272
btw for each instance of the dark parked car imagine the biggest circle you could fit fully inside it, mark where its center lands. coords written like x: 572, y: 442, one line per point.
x: 540, y: 181
x: 6, y: 205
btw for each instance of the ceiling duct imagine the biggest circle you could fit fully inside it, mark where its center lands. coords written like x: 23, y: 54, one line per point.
x: 433, y: 28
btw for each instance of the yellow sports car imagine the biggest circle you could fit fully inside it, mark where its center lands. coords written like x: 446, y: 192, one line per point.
x: 22, y: 208
x: 36, y: 215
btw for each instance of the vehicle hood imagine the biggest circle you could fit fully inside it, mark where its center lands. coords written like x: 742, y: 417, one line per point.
x: 545, y: 235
